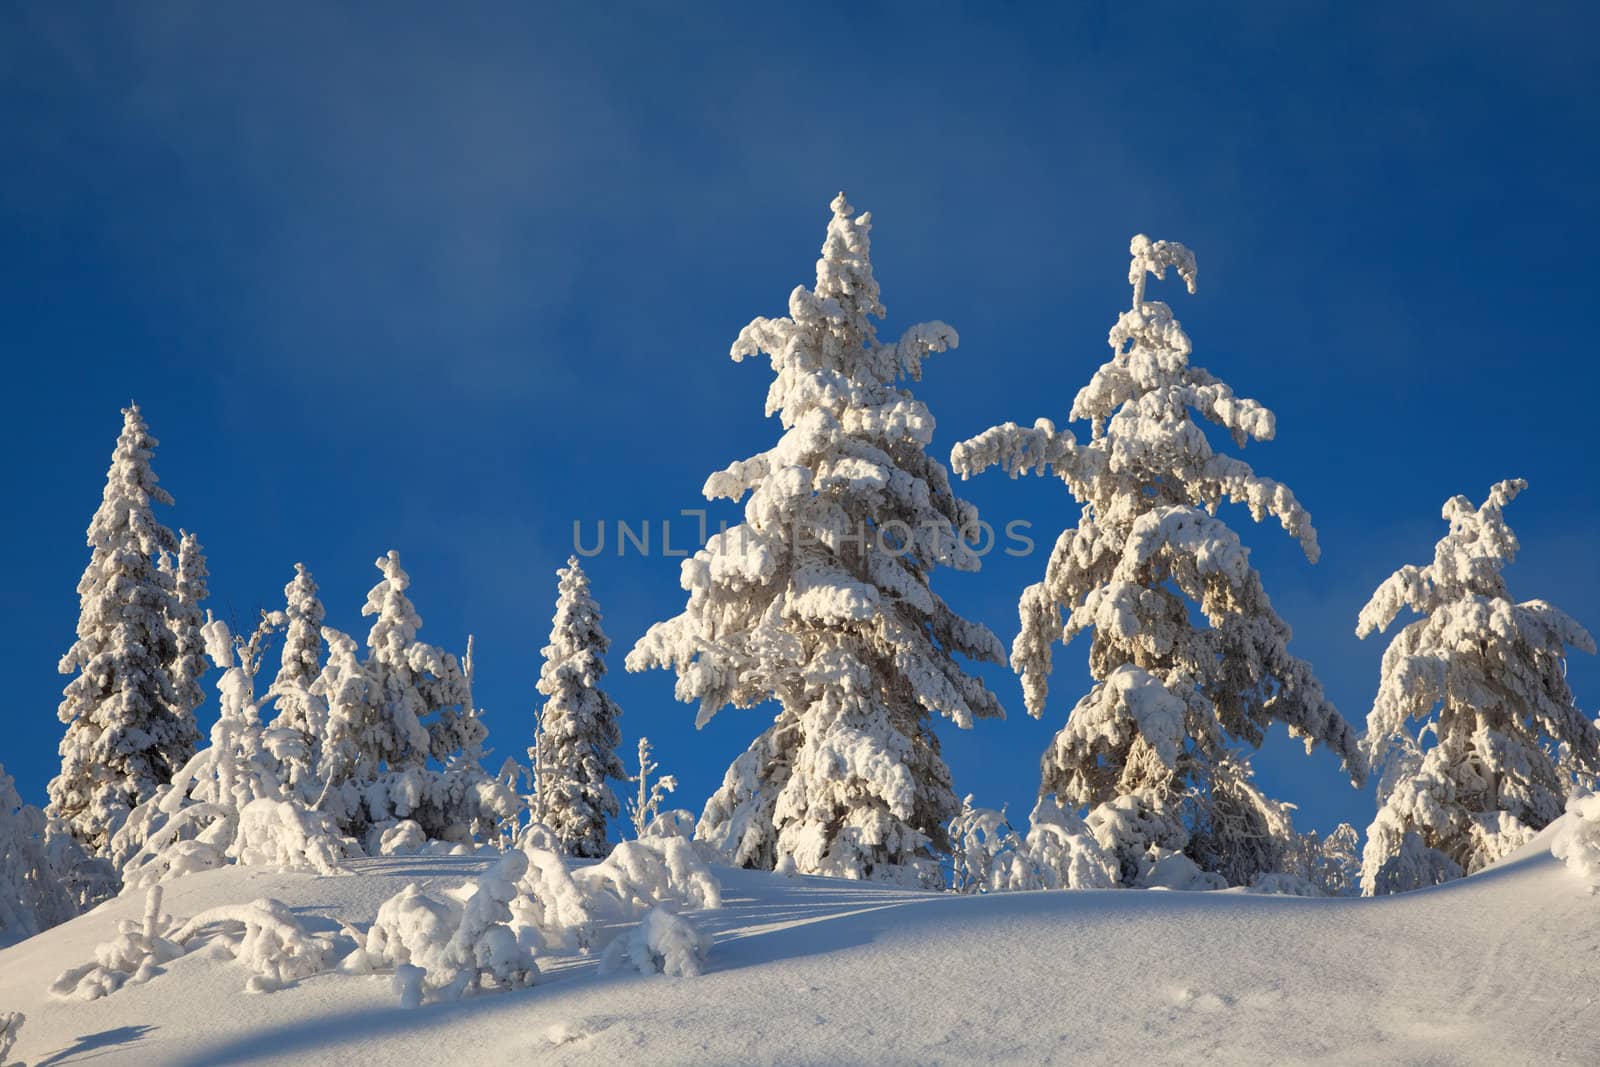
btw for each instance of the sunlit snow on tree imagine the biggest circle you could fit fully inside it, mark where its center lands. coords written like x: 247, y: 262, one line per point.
x: 1158, y: 750
x: 576, y: 756
x: 820, y: 599
x: 1474, y: 724
x: 403, y: 739
x: 302, y: 715
x: 129, y: 714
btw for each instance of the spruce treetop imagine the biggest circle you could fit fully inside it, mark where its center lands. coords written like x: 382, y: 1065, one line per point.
x: 131, y: 490
x: 301, y: 660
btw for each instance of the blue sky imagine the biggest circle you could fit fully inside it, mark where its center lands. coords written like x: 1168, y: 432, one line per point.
x: 401, y: 276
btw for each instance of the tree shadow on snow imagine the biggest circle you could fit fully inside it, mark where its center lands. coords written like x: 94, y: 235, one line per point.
x: 91, y: 1046
x: 421, y: 868
x: 347, y: 1029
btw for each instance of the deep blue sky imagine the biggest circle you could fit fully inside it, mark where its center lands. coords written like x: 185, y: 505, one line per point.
x: 399, y: 276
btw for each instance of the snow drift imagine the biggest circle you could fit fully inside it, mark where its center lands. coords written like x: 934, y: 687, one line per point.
x: 1494, y: 968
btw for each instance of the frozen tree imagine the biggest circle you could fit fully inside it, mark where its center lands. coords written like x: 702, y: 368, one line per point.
x: 639, y: 875
x: 1158, y: 749
x: 348, y: 753
x: 301, y: 716
x: 403, y: 739
x: 1473, y: 725
x: 266, y: 936
x: 35, y: 883
x: 186, y: 620
x: 989, y: 856
x: 534, y: 773
x: 1330, y: 865
x: 1578, y: 840
x: 577, y: 734
x: 551, y: 908
x: 133, y: 957
x: 228, y: 803
x: 979, y: 838
x: 646, y: 804
x: 441, y: 949
x: 128, y: 726
x: 820, y: 599
x: 1061, y: 852
x: 663, y: 942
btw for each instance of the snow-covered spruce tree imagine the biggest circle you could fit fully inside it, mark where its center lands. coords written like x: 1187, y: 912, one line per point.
x: 32, y: 897
x: 228, y: 803
x: 172, y: 832
x: 1158, y: 749
x: 1330, y: 865
x: 821, y: 600
x: 186, y: 620
x: 403, y: 739
x: 348, y: 756
x: 1473, y: 725
x: 577, y: 750
x: 296, y: 733
x: 988, y: 855
x: 128, y: 726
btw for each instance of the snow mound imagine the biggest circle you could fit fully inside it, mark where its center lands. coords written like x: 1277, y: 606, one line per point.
x: 662, y: 943
x: 134, y: 955
x: 639, y: 875
x: 263, y: 935
x: 1577, y: 838
x: 443, y: 952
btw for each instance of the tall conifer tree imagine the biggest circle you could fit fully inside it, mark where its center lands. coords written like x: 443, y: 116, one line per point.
x: 1189, y: 660
x: 129, y: 723
x: 1474, y: 723
x: 576, y: 756
x: 821, y: 598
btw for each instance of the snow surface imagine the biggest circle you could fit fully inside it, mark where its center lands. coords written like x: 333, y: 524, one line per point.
x: 1496, y: 968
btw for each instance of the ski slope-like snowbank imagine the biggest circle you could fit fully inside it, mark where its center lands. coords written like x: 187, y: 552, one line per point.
x: 1503, y: 967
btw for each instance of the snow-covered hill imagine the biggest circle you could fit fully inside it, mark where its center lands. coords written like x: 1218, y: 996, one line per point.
x: 1503, y: 967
